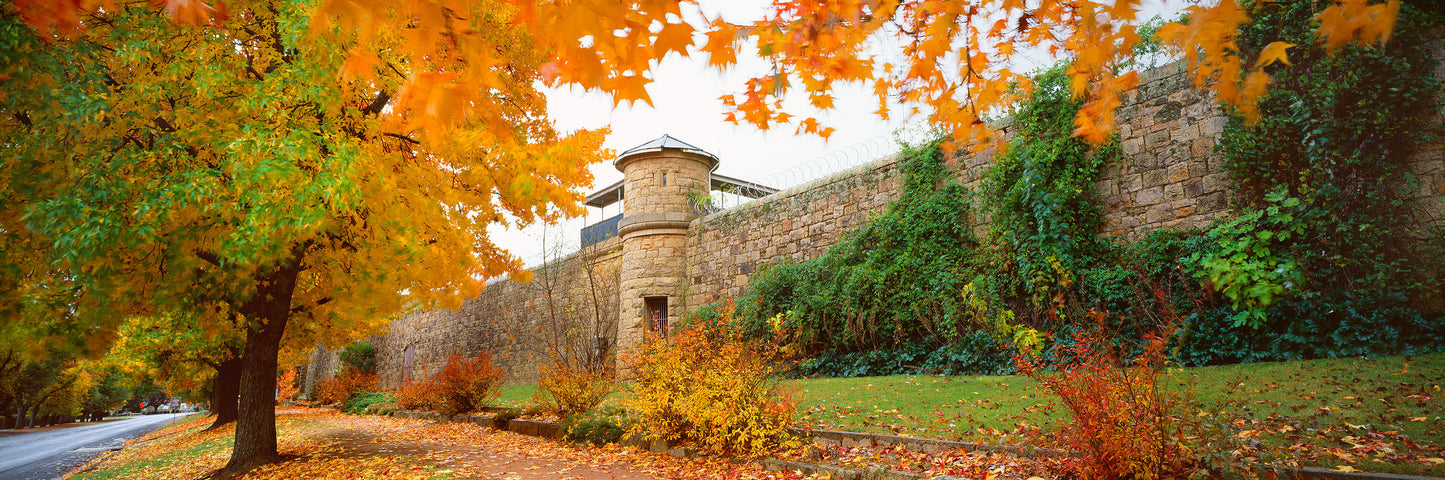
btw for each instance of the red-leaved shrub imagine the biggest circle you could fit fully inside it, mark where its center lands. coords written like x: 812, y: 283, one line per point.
x: 343, y: 386
x: 422, y: 395
x: 467, y: 385
x: 1121, y: 422
x: 286, y: 386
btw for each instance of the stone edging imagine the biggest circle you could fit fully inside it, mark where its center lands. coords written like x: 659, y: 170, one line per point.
x: 928, y: 445
x: 550, y: 430
x: 526, y: 427
x: 840, y: 473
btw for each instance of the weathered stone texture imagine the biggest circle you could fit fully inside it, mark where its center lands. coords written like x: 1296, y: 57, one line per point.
x: 1168, y: 176
x: 506, y: 320
x: 725, y: 248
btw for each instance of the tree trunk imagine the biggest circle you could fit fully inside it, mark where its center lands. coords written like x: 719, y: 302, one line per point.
x: 226, y: 391
x: 266, y: 315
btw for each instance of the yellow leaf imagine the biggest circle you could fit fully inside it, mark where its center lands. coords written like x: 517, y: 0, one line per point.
x: 1346, y: 468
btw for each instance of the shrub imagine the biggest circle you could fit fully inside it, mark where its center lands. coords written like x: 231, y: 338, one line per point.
x: 343, y: 386
x: 359, y: 356
x: 362, y: 402
x: 600, y: 427
x: 467, y: 385
x: 979, y: 353
x: 1121, y: 422
x: 566, y: 389
x: 710, y: 385
x: 422, y: 396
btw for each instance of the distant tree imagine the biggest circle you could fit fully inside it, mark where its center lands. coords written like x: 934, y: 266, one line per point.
x: 194, y: 357
x: 104, y: 395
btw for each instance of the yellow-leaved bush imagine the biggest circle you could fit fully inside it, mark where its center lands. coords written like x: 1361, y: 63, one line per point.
x: 709, y: 386
x: 566, y: 389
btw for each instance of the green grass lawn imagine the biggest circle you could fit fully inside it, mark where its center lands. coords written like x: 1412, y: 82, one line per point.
x: 1364, y: 409
x: 517, y: 396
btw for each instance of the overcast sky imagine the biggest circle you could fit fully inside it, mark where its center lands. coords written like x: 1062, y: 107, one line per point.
x: 685, y: 104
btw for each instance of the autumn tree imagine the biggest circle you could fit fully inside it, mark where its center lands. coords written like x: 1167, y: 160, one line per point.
x: 191, y: 356
x: 954, y: 64
x: 163, y: 159
x: 339, y: 162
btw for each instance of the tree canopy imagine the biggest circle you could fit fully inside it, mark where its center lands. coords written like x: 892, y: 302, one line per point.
x: 225, y: 171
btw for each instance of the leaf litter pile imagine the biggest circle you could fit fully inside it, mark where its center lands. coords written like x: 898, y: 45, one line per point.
x: 323, y: 443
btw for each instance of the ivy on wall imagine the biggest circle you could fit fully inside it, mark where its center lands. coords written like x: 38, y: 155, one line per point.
x: 1042, y: 208
x: 1322, y: 177
x: 891, y: 282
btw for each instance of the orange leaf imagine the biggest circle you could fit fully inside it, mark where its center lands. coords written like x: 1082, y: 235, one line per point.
x: 1272, y: 53
x: 1255, y: 85
x: 193, y: 12
x: 674, y: 37
x: 720, y: 44
x: 628, y: 88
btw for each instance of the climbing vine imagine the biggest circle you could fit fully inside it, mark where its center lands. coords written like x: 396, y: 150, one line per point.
x: 891, y: 282
x: 1322, y: 179
x: 1041, y: 203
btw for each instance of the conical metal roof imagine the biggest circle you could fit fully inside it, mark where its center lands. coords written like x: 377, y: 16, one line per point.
x: 665, y: 141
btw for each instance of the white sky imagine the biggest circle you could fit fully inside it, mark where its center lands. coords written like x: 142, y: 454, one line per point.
x: 685, y: 104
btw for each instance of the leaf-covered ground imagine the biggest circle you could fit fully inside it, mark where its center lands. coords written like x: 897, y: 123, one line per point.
x: 322, y: 443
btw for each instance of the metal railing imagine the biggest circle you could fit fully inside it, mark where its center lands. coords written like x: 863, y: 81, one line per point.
x: 600, y: 231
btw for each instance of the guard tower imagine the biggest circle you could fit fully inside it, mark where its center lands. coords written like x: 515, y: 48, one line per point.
x: 658, y: 177
x: 663, y: 182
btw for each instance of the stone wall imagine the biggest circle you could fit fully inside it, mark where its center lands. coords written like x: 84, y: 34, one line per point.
x: 324, y: 364
x: 510, y: 319
x: 1168, y: 176
x: 725, y: 248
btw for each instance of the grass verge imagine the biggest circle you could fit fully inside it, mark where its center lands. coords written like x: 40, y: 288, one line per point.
x: 1379, y: 414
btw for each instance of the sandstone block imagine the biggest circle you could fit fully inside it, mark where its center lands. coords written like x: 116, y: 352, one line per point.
x: 1158, y: 213
x: 1154, y: 178
x: 1178, y: 173
x: 1216, y: 182
x: 1149, y: 196
x: 1173, y: 192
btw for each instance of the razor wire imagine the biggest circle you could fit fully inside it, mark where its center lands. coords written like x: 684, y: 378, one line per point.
x: 833, y: 162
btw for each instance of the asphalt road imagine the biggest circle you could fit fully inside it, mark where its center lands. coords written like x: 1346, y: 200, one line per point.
x: 52, y: 452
